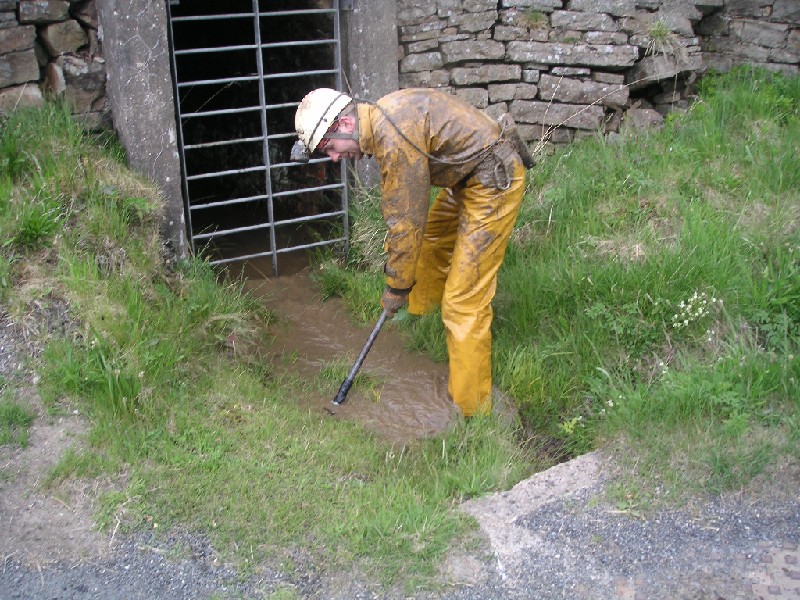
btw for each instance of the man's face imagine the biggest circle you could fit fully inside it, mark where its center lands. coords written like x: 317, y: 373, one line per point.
x: 337, y: 148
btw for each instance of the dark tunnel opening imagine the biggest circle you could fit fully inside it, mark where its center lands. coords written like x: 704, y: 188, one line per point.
x: 240, y: 68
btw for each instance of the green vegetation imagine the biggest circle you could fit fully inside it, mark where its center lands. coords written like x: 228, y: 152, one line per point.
x: 535, y: 19
x: 650, y: 298
x: 661, y: 39
x: 167, y: 362
x: 649, y: 303
x: 15, y: 419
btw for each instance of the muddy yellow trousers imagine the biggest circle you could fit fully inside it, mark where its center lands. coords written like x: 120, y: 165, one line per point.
x: 465, y: 239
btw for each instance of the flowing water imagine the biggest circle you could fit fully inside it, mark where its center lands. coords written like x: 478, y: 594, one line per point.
x: 409, y: 399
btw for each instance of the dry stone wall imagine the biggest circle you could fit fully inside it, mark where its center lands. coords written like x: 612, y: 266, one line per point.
x: 50, y: 48
x: 565, y: 68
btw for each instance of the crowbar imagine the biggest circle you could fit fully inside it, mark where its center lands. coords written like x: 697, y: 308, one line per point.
x: 347, y: 383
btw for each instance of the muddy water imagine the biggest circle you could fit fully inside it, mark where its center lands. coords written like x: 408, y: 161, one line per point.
x: 410, y: 399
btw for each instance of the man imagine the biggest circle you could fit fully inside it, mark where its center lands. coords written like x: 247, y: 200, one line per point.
x: 446, y: 253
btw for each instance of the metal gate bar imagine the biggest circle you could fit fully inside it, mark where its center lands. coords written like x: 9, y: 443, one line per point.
x: 193, y: 206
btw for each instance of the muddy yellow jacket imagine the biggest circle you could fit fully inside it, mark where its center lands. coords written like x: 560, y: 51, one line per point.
x: 441, y: 126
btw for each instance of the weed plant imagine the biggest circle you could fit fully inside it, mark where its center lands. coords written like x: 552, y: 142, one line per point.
x: 166, y: 362
x: 15, y: 418
x: 650, y: 297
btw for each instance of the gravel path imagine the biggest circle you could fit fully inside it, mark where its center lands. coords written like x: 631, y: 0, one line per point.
x: 550, y: 537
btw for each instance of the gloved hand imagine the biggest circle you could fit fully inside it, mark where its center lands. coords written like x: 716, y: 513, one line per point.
x: 393, y: 300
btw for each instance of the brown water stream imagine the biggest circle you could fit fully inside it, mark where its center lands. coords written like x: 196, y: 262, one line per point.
x: 410, y: 400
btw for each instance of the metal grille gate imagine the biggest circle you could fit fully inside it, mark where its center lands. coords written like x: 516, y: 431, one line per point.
x: 240, y: 68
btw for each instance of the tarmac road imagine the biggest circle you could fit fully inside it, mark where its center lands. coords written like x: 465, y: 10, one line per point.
x: 550, y: 537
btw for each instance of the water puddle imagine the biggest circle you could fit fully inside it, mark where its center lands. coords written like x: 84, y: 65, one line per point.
x: 409, y: 399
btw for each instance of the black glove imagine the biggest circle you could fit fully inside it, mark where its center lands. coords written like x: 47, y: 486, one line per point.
x: 393, y: 300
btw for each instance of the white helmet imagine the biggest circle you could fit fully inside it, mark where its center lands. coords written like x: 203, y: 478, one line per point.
x: 316, y: 113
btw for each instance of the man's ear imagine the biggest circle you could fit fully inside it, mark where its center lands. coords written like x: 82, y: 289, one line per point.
x: 347, y: 124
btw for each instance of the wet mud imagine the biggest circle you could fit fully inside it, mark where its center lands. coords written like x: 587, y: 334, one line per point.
x: 406, y: 397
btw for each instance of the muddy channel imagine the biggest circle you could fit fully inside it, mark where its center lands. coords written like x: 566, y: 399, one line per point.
x: 408, y: 398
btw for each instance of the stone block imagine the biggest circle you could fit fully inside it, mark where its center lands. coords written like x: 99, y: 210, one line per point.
x: 565, y: 36
x: 571, y: 71
x: 54, y: 84
x: 474, y: 22
x: 531, y: 75
x: 590, y: 55
x: 495, y: 111
x: 422, y: 46
x: 502, y: 92
x: 661, y: 66
x: 761, y: 33
x: 424, y: 31
x: 642, y: 118
x: 741, y: 49
x: 21, y: 96
x: 15, y: 39
x: 485, y: 74
x: 477, y: 97
x: 18, y: 67
x: 432, y: 79
x: 507, y: 33
x: 606, y: 37
x: 43, y: 11
x: 617, y: 8
x: 540, y: 131
x: 708, y: 7
x: 426, y: 61
x: 681, y: 9
x: 526, y: 91
x: 455, y: 52
x: 8, y: 20
x: 603, y: 77
x: 581, y: 21
x: 784, y: 55
x: 578, y: 91
x: 544, y: 6
x: 787, y: 11
x: 452, y: 7
x: 413, y: 15
x: 65, y: 36
x: 547, y: 113
x: 747, y: 8
x: 84, y: 81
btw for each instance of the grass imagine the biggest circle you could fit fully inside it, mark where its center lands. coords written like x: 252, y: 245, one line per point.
x: 649, y: 305
x: 15, y: 420
x: 167, y: 363
x: 650, y: 300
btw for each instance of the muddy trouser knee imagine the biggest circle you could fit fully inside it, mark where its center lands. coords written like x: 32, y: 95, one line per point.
x: 436, y: 253
x: 486, y: 221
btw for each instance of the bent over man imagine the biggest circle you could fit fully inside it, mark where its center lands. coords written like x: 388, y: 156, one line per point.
x: 446, y: 253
